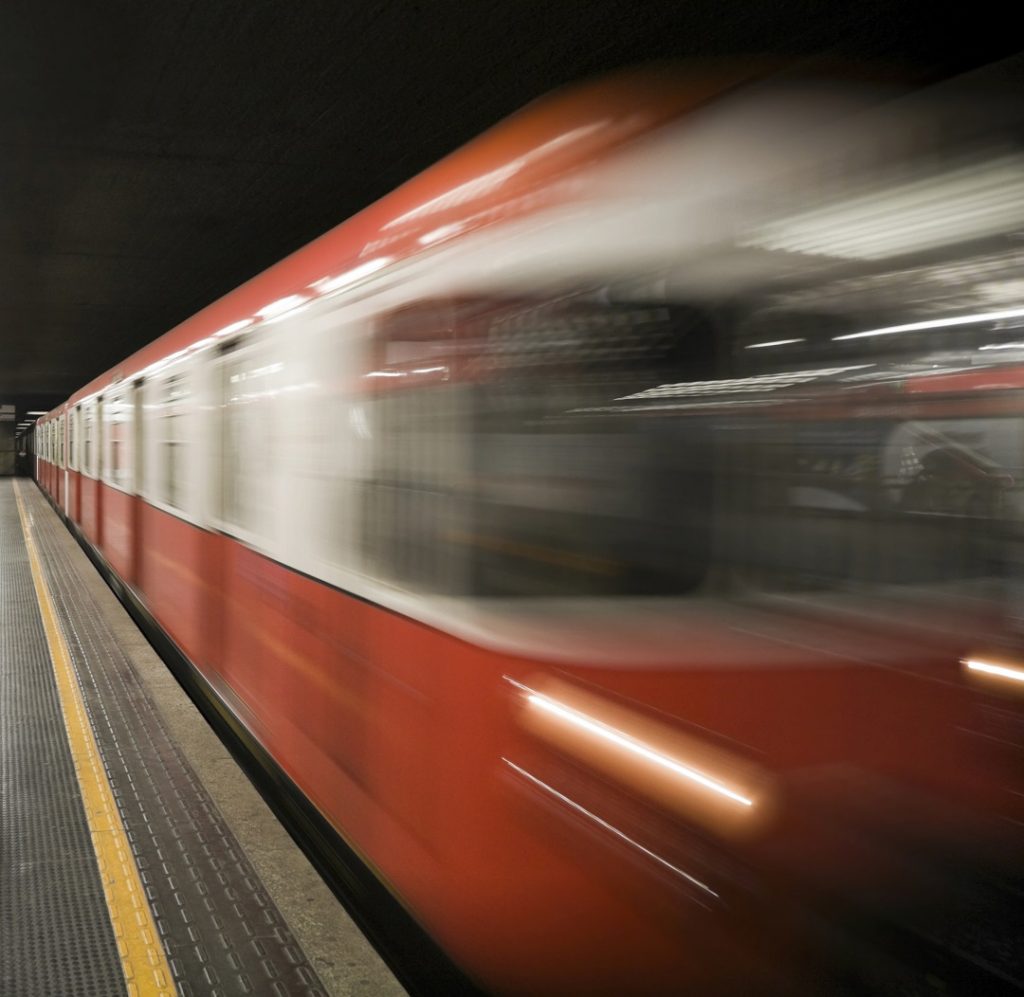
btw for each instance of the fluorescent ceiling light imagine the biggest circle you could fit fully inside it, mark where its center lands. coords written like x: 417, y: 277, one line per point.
x: 440, y: 233
x: 234, y: 327
x: 774, y: 342
x: 281, y: 306
x: 328, y: 284
x: 763, y: 382
x: 938, y: 323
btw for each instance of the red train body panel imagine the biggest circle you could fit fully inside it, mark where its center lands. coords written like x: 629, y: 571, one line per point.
x: 470, y: 772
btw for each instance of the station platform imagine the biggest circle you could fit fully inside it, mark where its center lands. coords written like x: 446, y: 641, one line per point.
x: 135, y: 856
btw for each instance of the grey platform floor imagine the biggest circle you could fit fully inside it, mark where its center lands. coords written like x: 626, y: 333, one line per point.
x: 238, y: 907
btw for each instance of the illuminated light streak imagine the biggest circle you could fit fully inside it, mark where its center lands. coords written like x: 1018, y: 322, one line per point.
x: 760, y: 383
x: 973, y: 201
x: 487, y: 182
x: 774, y: 342
x: 1000, y: 671
x: 327, y: 285
x: 234, y: 327
x: 282, y: 305
x: 938, y: 323
x: 638, y: 748
x: 609, y: 827
x: 440, y: 233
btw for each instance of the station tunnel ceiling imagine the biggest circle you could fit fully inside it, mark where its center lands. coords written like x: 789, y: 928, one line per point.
x: 154, y: 156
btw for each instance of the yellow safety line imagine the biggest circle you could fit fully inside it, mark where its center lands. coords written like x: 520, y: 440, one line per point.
x: 143, y: 962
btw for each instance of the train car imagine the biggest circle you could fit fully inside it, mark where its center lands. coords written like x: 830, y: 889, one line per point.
x: 598, y: 530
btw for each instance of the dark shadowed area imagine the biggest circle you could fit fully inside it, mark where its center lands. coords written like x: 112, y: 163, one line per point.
x: 156, y: 155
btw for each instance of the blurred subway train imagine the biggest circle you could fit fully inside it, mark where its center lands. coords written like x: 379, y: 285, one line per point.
x: 615, y: 534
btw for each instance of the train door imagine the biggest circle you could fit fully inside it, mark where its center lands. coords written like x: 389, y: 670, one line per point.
x: 65, y: 432
x: 135, y: 484
x: 245, y: 513
x: 98, y: 442
x: 66, y: 422
x: 76, y: 456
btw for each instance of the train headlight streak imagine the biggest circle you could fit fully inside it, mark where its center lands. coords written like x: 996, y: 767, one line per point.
x: 632, y: 745
x: 999, y: 671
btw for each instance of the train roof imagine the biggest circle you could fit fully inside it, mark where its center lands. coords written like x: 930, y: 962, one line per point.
x: 509, y: 171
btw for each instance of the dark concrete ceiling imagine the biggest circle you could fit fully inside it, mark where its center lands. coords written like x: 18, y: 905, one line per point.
x: 153, y: 155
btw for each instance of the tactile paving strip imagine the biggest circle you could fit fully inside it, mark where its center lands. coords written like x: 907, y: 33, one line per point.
x: 222, y: 933
x: 55, y: 933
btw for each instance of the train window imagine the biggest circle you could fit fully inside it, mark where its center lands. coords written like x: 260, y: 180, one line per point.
x: 502, y: 467
x: 92, y: 436
x: 246, y: 391
x: 416, y: 496
x: 171, y: 435
x: 323, y: 409
x: 87, y: 439
x: 117, y: 412
x: 822, y: 505
x: 72, y: 439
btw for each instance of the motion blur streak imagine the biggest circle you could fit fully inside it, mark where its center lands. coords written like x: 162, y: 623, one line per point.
x: 608, y: 827
x: 1000, y: 671
x: 980, y: 199
x: 668, y: 440
x: 938, y: 323
x: 622, y: 740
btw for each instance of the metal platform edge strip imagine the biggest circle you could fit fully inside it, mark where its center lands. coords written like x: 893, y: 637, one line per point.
x: 143, y: 960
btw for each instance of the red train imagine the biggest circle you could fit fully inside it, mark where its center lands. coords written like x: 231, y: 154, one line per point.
x: 605, y: 531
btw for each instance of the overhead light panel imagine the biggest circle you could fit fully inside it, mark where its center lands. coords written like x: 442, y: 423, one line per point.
x: 977, y: 200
